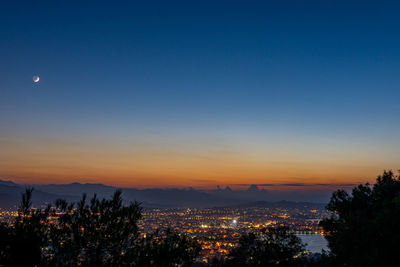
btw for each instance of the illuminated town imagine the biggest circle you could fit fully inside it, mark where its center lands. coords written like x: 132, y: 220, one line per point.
x: 219, y: 229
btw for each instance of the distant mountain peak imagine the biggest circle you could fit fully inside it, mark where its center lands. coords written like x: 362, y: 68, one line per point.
x: 253, y: 187
x: 7, y: 182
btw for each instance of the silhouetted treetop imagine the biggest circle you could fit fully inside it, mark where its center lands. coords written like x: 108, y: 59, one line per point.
x: 269, y: 247
x: 91, y: 233
x: 363, y: 229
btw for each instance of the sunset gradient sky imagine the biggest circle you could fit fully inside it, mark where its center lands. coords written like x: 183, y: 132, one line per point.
x: 199, y: 93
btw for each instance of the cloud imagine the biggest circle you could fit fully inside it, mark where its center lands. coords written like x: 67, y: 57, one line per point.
x: 255, y: 184
x: 203, y: 181
x: 302, y: 185
x: 294, y: 184
x: 337, y: 184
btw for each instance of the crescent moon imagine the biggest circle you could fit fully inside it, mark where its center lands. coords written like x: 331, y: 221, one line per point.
x: 36, y: 79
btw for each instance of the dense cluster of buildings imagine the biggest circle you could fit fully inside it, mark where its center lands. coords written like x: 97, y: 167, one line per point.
x: 219, y: 229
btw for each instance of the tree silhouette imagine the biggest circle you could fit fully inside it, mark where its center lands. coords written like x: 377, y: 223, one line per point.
x: 363, y: 229
x: 164, y: 249
x: 91, y: 233
x: 94, y: 234
x: 269, y: 247
x: 21, y: 244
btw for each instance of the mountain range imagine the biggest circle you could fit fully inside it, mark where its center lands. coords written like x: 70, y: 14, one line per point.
x: 10, y: 195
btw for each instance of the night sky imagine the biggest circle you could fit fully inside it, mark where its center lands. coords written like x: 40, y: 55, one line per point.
x: 199, y: 93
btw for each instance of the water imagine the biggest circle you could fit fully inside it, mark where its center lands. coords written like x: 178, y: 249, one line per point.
x: 315, y: 242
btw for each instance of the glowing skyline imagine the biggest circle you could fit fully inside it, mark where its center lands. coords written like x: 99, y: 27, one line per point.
x: 198, y: 93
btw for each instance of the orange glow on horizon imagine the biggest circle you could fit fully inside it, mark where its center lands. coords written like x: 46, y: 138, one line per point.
x: 206, y: 165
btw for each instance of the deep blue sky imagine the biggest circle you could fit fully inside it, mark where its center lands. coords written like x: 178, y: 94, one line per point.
x: 321, y: 74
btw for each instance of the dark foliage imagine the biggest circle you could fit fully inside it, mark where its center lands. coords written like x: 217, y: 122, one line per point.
x: 164, y: 250
x: 94, y: 234
x: 364, y: 227
x: 21, y: 244
x: 98, y: 233
x: 269, y: 247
